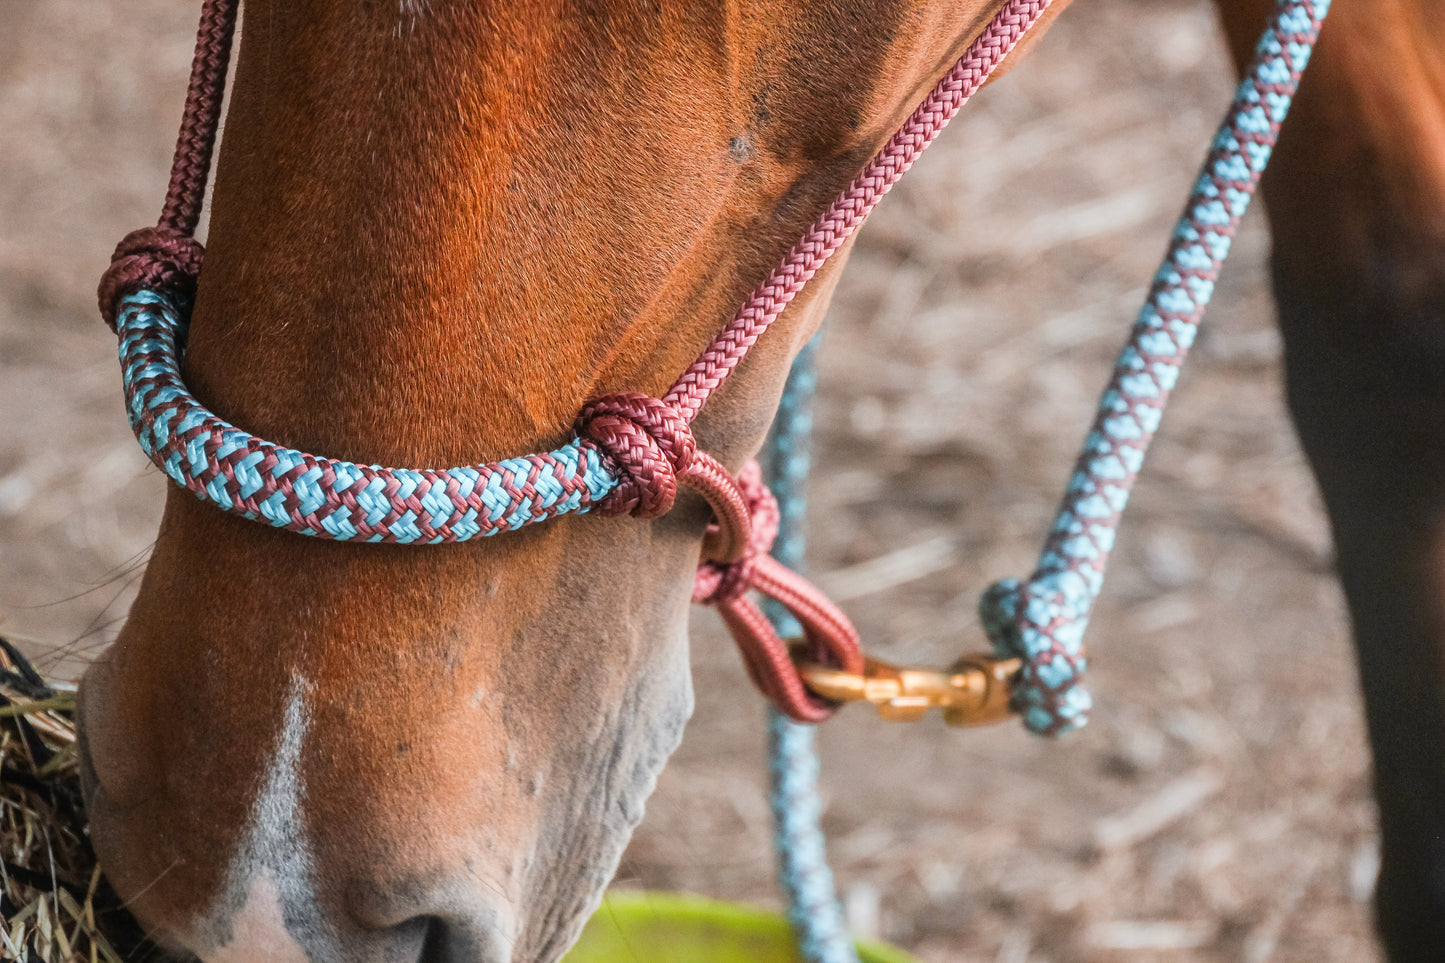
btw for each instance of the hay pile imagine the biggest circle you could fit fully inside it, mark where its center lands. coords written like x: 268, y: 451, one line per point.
x: 54, y: 905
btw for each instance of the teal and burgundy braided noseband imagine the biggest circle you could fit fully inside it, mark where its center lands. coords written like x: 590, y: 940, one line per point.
x: 286, y: 488
x: 1042, y: 620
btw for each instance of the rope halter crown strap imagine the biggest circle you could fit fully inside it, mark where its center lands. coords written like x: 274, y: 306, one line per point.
x: 630, y: 453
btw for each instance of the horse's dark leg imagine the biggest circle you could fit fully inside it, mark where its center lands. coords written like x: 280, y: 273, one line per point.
x: 1356, y: 200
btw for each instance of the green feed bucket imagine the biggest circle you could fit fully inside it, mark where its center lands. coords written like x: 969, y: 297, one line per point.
x: 676, y: 928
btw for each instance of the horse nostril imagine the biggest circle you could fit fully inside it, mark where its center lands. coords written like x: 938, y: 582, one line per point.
x: 447, y: 941
x: 438, y: 916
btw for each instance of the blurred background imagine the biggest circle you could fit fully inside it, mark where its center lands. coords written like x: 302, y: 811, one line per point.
x: 1217, y: 809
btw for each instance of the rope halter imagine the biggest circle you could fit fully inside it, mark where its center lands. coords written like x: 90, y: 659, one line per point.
x: 631, y: 452
x: 650, y: 445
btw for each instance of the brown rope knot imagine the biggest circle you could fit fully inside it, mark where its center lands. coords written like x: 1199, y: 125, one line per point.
x: 154, y: 258
x: 648, y: 441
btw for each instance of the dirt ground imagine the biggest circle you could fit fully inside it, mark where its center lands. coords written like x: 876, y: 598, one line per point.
x: 1218, y: 807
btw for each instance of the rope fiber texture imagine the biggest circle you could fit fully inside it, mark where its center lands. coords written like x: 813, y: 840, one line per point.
x: 1042, y: 619
x: 798, y: 842
x: 630, y: 452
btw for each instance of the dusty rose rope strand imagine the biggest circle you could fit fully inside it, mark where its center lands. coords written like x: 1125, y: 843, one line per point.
x: 852, y: 206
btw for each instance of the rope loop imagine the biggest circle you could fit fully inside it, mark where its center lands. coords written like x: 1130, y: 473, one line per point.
x: 159, y: 259
x: 650, y: 444
x: 722, y: 580
x: 736, y: 562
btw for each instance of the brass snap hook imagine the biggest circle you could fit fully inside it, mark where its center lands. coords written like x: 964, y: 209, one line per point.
x: 974, y: 691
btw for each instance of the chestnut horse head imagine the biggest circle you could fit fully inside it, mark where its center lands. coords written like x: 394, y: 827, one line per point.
x: 438, y: 229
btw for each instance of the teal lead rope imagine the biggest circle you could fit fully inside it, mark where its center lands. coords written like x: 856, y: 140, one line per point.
x: 1042, y: 620
x: 803, y: 872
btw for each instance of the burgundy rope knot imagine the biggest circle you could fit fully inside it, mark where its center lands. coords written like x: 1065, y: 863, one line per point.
x: 167, y: 257
x: 153, y: 258
x: 648, y: 441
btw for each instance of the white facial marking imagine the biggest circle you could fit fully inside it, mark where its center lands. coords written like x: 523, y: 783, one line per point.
x: 268, y: 908
x: 258, y: 930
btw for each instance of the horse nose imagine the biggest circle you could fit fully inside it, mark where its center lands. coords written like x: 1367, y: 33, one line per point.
x: 440, y: 939
x: 462, y: 941
x: 430, y: 925
x: 266, y: 930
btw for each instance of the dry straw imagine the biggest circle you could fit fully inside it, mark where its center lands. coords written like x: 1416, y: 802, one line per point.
x: 54, y: 905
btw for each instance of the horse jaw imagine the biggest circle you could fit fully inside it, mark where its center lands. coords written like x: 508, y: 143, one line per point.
x: 350, y: 862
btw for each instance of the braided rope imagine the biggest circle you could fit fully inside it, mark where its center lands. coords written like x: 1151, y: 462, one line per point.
x: 321, y: 496
x: 1042, y: 620
x: 798, y: 842
x: 167, y: 257
x: 827, y: 634
x: 649, y: 442
x: 191, y: 166
x: 340, y: 500
x: 852, y: 206
x: 630, y: 453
